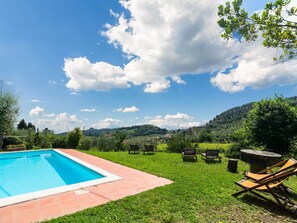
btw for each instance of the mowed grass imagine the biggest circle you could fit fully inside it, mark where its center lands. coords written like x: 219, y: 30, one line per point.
x: 201, y: 192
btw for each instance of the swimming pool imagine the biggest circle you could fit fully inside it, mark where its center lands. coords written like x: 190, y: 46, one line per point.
x: 29, y: 175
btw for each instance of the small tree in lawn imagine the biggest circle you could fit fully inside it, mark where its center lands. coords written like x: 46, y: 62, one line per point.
x: 272, y: 123
x: 73, y: 138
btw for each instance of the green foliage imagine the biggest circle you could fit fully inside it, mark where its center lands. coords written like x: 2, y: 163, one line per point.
x: 234, y: 151
x: 201, y: 147
x: 132, y: 131
x: 11, y: 140
x: 120, y: 137
x: 59, y: 141
x: 86, y: 143
x: 272, y: 123
x: 73, y: 138
x: 30, y: 139
x: 205, y: 136
x: 276, y: 22
x: 178, y: 142
x: 104, y: 143
x: 22, y: 125
x: 162, y: 147
x: 9, y: 110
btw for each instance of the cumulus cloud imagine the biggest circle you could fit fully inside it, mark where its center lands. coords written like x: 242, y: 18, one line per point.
x: 88, y: 110
x: 59, y: 123
x: 164, y: 40
x: 255, y: 68
x: 107, y: 123
x: 176, y: 121
x: 36, y: 111
x: 99, y: 76
x: 128, y: 109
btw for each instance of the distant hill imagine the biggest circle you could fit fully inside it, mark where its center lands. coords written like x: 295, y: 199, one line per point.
x: 137, y: 130
x: 227, y: 122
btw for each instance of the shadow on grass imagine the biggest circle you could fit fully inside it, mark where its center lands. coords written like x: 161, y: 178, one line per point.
x: 268, y: 204
x: 190, y: 160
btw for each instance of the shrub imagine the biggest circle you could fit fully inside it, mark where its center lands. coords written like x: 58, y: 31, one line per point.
x: 234, y: 151
x: 162, y: 147
x: 73, y: 138
x: 10, y: 140
x: 105, y: 143
x: 178, y: 142
x: 59, y: 142
x: 85, y: 143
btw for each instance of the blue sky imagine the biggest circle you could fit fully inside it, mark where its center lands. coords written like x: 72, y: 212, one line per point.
x: 156, y: 62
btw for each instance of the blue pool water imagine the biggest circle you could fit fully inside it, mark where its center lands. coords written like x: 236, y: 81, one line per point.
x: 25, y: 172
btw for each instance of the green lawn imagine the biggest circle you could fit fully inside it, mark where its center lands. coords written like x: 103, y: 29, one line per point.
x: 201, y: 192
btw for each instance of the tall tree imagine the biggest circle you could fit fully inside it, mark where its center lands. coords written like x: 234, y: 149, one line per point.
x: 9, y: 110
x: 272, y: 123
x: 22, y: 124
x: 31, y: 126
x: 73, y: 138
x: 276, y: 23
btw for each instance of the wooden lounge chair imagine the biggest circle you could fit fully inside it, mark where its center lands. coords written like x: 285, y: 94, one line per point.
x: 271, y: 184
x: 149, y: 149
x: 133, y: 149
x: 189, y: 153
x: 269, y: 171
x: 211, y: 155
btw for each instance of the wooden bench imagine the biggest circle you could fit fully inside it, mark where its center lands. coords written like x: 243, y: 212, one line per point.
x: 189, y: 153
x: 149, y: 149
x: 211, y: 155
x: 133, y: 149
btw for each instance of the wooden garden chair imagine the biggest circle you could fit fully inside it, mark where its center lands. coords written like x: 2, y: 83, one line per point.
x: 133, y: 149
x: 189, y: 153
x: 271, y: 185
x: 211, y: 155
x: 149, y: 149
x: 269, y: 171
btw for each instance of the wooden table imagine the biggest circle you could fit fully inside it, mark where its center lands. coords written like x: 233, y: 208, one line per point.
x: 258, y: 159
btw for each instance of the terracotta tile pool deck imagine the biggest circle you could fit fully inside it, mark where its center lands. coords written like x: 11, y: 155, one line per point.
x: 132, y: 182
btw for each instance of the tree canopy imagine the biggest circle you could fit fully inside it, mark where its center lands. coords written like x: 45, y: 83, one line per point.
x: 276, y: 23
x: 9, y: 110
x: 272, y: 123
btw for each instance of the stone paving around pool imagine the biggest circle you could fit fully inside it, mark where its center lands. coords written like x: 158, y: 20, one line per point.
x: 132, y: 182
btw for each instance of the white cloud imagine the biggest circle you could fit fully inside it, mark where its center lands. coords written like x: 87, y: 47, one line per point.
x: 88, y: 110
x: 128, y: 109
x: 255, y: 68
x: 177, y: 121
x: 35, y: 101
x: 100, y: 76
x: 107, y: 123
x: 164, y: 40
x: 52, y: 83
x: 74, y: 93
x: 36, y: 111
x: 59, y: 123
x: 49, y: 115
